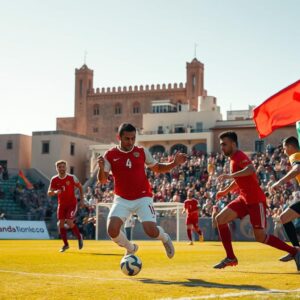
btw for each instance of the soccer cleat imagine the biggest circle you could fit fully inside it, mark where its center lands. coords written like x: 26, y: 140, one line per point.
x: 286, y: 258
x: 135, y: 249
x: 201, y: 238
x: 64, y: 248
x: 297, y: 260
x: 170, y: 251
x: 80, y: 242
x: 226, y: 262
x: 190, y: 243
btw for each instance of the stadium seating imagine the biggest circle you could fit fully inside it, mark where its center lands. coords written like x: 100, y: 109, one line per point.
x: 7, y: 202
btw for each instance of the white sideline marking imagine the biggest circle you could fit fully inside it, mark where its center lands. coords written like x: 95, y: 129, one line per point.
x: 64, y: 275
x: 240, y: 294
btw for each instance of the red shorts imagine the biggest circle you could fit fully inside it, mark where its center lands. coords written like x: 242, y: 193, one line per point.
x: 192, y: 221
x: 257, y: 212
x: 66, y: 211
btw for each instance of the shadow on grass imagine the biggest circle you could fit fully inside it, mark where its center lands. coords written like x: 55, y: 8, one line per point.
x: 96, y: 254
x: 269, y: 273
x: 206, y: 284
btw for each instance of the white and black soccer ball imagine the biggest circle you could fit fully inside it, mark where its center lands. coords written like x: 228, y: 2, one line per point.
x: 131, y: 265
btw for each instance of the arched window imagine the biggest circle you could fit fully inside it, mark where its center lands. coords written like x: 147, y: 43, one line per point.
x: 118, y: 109
x: 136, y: 109
x: 178, y: 147
x: 157, y: 149
x: 96, y: 110
x: 179, y: 105
x: 200, y: 148
x: 193, y: 82
x: 80, y: 87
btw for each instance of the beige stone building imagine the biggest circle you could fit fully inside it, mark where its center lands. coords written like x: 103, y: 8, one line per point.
x: 50, y: 146
x: 242, y: 114
x: 187, y: 131
x: 15, y: 151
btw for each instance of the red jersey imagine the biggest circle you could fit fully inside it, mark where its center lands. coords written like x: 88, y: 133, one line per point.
x: 128, y: 170
x: 67, y: 185
x: 191, y: 207
x: 248, y: 185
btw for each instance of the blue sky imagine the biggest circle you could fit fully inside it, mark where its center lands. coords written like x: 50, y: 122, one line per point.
x: 250, y: 49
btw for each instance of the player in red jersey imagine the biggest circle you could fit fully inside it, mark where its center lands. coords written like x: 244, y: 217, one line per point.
x: 192, y: 218
x: 133, y: 194
x: 251, y: 201
x: 63, y: 186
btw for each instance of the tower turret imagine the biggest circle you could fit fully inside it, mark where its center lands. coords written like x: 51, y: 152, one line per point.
x: 194, y: 82
x: 83, y: 83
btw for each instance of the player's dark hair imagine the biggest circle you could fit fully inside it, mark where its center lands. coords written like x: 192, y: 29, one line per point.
x: 230, y: 135
x: 126, y: 127
x: 291, y: 140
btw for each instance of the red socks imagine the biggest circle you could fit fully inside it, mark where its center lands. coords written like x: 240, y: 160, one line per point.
x: 275, y: 242
x: 225, y: 235
x: 189, y: 234
x: 199, y: 232
x: 63, y: 235
x: 76, y: 231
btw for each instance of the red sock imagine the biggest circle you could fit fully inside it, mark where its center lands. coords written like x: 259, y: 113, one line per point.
x: 199, y: 231
x: 275, y: 242
x: 76, y: 231
x: 63, y: 235
x: 225, y: 236
x: 189, y: 234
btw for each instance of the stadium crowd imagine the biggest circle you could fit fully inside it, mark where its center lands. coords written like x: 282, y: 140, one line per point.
x: 200, y: 173
x: 35, y: 202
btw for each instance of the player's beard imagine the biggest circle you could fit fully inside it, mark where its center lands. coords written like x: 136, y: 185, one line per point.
x: 62, y: 173
x: 228, y: 153
x: 127, y: 148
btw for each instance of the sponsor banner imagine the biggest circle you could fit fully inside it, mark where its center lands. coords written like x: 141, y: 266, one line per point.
x: 23, y: 230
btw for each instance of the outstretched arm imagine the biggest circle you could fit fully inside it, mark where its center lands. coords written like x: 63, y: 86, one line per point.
x: 101, y: 175
x: 248, y: 170
x: 179, y: 159
x: 291, y: 174
x: 230, y: 187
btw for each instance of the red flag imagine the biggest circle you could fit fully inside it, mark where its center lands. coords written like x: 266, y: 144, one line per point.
x: 24, y: 179
x: 279, y: 110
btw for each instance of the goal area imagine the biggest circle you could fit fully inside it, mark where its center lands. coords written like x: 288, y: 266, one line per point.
x: 168, y: 215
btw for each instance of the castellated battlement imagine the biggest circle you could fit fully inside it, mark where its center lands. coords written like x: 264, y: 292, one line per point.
x: 138, y: 89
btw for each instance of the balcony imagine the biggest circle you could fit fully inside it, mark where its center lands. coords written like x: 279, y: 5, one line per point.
x: 177, y: 130
x: 178, y: 134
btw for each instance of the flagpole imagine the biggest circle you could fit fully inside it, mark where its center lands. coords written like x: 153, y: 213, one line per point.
x: 298, y: 131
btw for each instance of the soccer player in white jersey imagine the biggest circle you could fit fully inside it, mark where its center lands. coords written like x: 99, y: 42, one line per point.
x: 132, y: 190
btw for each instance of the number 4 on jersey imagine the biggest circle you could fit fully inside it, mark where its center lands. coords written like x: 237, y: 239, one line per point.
x: 128, y: 163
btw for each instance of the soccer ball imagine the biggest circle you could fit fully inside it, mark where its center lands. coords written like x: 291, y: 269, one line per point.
x: 131, y: 265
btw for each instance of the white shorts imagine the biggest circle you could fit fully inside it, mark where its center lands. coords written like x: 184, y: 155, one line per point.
x: 123, y: 208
